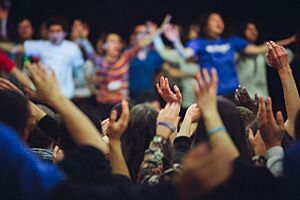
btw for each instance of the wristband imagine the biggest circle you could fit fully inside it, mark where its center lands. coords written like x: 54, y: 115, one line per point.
x: 215, y: 130
x: 169, y: 126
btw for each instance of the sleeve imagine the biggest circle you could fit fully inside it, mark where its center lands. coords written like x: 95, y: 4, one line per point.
x: 239, y: 44
x: 86, y: 165
x: 6, y: 64
x: 33, y: 48
x: 21, y: 174
x: 152, y: 166
x: 77, y: 59
x: 196, y: 45
x: 181, y: 146
x: 275, y: 157
x: 87, y: 47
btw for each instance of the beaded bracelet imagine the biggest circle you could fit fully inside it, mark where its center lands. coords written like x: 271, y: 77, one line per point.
x: 215, y: 130
x: 169, y: 126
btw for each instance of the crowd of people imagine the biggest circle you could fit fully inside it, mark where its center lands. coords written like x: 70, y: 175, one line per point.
x: 166, y: 116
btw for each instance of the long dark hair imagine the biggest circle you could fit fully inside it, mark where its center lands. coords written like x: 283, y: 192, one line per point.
x: 137, y: 137
x: 234, y: 125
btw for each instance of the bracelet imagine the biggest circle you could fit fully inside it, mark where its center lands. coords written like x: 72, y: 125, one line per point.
x: 215, y: 130
x: 169, y: 126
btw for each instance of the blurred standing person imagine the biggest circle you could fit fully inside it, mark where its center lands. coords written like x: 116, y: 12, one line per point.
x: 213, y: 49
x: 143, y: 68
x: 187, y: 69
x: 252, y: 68
x: 111, y: 65
x: 57, y: 54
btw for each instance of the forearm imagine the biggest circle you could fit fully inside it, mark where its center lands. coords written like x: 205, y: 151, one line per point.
x: 86, y: 45
x: 147, y: 40
x: 117, y: 160
x: 185, y: 127
x: 80, y: 127
x: 220, y: 139
x: 291, y: 97
x: 252, y: 49
x: 7, y: 46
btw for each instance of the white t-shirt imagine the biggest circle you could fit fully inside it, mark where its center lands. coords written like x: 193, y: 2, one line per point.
x: 62, y: 59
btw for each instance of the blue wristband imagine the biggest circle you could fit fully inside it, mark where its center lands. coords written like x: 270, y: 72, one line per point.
x: 215, y: 130
x: 169, y: 126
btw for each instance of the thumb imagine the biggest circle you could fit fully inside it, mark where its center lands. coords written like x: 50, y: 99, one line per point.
x: 250, y: 134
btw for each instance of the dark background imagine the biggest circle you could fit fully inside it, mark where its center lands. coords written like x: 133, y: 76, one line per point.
x: 276, y: 19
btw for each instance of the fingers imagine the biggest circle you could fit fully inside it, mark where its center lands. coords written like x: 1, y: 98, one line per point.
x: 270, y: 115
x: 177, y: 92
x: 125, y: 112
x: 250, y: 134
x: 206, y: 76
x: 261, y: 110
x: 214, y: 75
x: 279, y: 119
x: 200, y: 81
x: 113, y: 116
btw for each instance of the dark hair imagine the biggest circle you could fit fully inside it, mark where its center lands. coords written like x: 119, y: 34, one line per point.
x: 137, y: 137
x: 247, y: 115
x: 204, y: 21
x: 5, y: 4
x: 259, y: 29
x: 58, y: 21
x: 234, y: 125
x: 14, y: 110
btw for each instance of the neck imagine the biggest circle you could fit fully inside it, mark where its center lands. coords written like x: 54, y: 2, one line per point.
x: 110, y: 57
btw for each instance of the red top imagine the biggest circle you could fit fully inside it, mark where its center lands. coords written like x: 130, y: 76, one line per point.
x: 6, y: 64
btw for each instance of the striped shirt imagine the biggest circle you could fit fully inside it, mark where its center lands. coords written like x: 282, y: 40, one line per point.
x: 111, y: 77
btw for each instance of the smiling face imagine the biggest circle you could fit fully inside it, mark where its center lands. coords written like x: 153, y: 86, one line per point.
x: 215, y: 25
x: 251, y: 32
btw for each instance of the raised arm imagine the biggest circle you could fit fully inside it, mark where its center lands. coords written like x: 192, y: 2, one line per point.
x: 172, y: 33
x: 206, y: 92
x: 81, y: 129
x: 115, y: 132
x: 278, y: 58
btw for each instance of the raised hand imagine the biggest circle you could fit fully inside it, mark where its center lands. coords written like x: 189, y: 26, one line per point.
x: 7, y: 85
x: 206, y: 91
x: 79, y: 30
x: 167, y: 119
x: 164, y: 90
x: 171, y: 32
x: 193, y: 113
x: 116, y: 128
x: 166, y: 21
x: 47, y: 86
x: 242, y: 98
x: 257, y: 143
x: 277, y: 56
x: 272, y: 130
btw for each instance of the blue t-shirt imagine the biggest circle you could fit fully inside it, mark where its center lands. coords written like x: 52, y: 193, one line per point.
x: 21, y: 175
x: 141, y: 72
x: 219, y: 53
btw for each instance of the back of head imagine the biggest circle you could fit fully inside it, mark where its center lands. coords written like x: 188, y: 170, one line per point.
x: 14, y: 110
x: 247, y: 115
x: 232, y: 121
x: 138, y: 135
